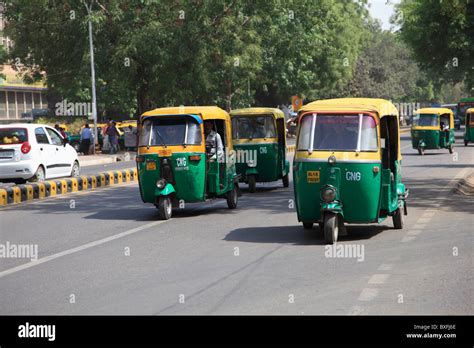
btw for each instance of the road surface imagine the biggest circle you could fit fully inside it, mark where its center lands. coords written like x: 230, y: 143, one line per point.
x: 105, y: 252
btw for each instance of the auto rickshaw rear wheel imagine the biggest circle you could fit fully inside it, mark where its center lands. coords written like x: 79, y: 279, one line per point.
x: 331, y: 227
x: 232, y: 198
x: 252, y: 180
x: 164, y: 207
x: 397, y: 219
x: 307, y: 225
x: 286, y: 181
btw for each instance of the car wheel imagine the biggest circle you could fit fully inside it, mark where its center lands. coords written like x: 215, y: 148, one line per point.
x: 232, y: 198
x: 39, y: 176
x: 164, y: 207
x: 397, y: 219
x: 252, y: 183
x: 75, y: 172
x: 331, y: 228
x: 286, y: 181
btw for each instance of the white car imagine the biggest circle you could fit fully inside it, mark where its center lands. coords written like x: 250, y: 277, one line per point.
x: 35, y: 152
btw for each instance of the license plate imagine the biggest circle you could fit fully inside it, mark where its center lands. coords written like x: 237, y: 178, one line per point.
x: 151, y: 166
x: 312, y: 176
x: 6, y: 153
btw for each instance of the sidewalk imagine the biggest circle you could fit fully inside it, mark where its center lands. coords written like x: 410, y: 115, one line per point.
x: 92, y: 160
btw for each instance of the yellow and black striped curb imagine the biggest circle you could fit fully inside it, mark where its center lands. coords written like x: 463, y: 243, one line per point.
x: 41, y: 190
x: 290, y: 148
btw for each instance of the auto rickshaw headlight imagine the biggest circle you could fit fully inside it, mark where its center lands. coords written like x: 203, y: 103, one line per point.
x: 329, y: 195
x: 252, y: 163
x: 161, y: 183
x: 332, y: 159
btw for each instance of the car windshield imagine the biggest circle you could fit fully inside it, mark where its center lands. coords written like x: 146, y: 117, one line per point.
x: 338, y: 133
x: 426, y: 120
x: 13, y: 136
x: 170, y: 131
x: 251, y: 127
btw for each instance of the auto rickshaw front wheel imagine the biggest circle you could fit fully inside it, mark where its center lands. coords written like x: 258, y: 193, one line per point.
x: 331, y: 227
x: 286, y: 181
x: 421, y: 151
x: 451, y: 148
x: 164, y: 207
x: 466, y: 142
x: 397, y: 219
x: 232, y: 198
x: 252, y: 181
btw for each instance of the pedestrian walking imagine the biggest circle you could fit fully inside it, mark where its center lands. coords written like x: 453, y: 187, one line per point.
x: 86, y: 138
x: 113, y: 134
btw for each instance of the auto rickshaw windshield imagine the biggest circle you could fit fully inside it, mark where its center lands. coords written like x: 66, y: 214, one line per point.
x: 251, y: 127
x: 170, y: 131
x: 426, y: 120
x: 338, y: 133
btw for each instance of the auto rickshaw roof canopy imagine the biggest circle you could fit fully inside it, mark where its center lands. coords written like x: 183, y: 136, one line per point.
x: 470, y: 111
x: 435, y: 111
x: 206, y: 112
x: 277, y: 113
x: 380, y: 106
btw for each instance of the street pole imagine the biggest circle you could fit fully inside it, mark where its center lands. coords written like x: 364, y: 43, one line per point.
x: 94, y: 100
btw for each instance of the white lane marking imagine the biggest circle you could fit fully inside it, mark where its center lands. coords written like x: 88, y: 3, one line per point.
x: 79, y: 248
x: 385, y: 267
x: 368, y: 294
x: 423, y: 220
x: 378, y: 278
x: 357, y: 310
x: 414, y: 232
x: 408, y: 239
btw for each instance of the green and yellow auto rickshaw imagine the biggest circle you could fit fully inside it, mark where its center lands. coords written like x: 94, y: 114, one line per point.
x: 260, y: 144
x: 433, y: 128
x: 347, y: 166
x: 182, y: 157
x: 469, y: 131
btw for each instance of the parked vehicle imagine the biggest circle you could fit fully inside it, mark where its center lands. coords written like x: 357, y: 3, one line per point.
x: 259, y: 134
x: 347, y: 166
x: 469, y: 131
x: 35, y: 152
x: 176, y: 163
x: 433, y: 129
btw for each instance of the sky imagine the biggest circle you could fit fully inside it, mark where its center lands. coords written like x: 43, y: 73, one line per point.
x: 382, y: 10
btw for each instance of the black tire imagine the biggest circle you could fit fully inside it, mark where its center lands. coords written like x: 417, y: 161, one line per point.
x: 331, y: 228
x: 164, y: 208
x: 232, y: 198
x: 397, y: 219
x: 286, y: 181
x: 252, y: 181
x: 451, y: 148
x: 421, y: 151
x: 466, y: 142
x: 76, y: 170
x: 39, y: 176
x: 307, y: 225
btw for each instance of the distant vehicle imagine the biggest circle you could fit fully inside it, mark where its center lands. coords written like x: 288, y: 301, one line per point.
x: 35, y: 152
x: 462, y: 106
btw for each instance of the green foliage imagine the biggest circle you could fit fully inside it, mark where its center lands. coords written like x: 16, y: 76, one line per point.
x: 441, y: 34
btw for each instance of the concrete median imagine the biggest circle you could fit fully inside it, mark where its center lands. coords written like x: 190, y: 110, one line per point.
x: 21, y: 193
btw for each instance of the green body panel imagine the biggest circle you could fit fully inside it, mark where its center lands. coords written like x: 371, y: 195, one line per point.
x: 169, y: 189
x: 189, y: 177
x: 270, y: 164
x: 360, y: 198
x: 469, y: 133
x: 431, y: 139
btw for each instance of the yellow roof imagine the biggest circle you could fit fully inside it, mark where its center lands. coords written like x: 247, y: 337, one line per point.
x: 437, y: 111
x: 381, y: 106
x: 258, y: 112
x: 470, y: 111
x: 206, y: 112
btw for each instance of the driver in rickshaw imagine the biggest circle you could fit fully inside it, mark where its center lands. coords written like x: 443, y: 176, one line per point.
x: 214, y: 144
